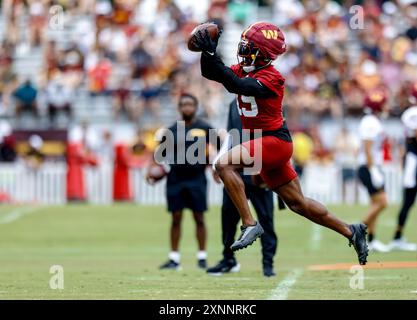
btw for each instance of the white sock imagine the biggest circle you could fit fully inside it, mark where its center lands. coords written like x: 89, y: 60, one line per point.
x: 201, y: 255
x: 174, y: 256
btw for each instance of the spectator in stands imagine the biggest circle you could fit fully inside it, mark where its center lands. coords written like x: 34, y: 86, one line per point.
x: 114, y: 42
x: 13, y: 10
x: 122, y: 11
x: 59, y: 97
x: 8, y: 78
x: 25, y: 96
x: 72, y: 58
x: 352, y: 98
x: 140, y: 60
x: 148, y: 98
x: 121, y: 100
x: 412, y: 31
x: 50, y: 57
x: 99, y: 75
x: 37, y: 20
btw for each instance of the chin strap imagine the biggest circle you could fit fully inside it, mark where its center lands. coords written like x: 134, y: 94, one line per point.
x: 251, y: 68
x: 248, y: 69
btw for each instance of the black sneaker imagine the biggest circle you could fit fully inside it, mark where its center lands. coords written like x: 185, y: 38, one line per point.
x: 358, y: 241
x: 224, y: 266
x: 170, y: 265
x: 269, y: 272
x: 202, y: 263
x: 247, y: 236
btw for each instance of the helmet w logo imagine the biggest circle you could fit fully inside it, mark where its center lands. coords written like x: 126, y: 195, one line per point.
x: 376, y: 97
x: 270, y: 34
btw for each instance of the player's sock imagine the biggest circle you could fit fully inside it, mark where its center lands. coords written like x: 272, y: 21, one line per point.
x: 174, y: 256
x: 201, y: 255
x: 370, y: 237
x: 398, y: 235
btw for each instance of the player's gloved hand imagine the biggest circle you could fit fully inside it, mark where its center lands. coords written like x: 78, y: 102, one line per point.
x: 377, y: 177
x: 206, y: 43
x: 149, y: 179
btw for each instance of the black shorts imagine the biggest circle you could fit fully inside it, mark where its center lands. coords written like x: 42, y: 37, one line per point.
x: 365, y: 177
x: 190, y: 193
x: 348, y: 174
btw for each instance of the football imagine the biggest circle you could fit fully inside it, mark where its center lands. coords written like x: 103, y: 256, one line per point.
x: 156, y: 172
x: 212, y: 29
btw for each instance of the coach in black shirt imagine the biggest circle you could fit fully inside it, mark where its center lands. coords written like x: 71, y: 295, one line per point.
x: 186, y: 181
x: 262, y: 201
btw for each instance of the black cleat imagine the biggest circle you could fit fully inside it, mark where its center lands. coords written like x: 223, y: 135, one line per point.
x: 202, y: 263
x: 224, y: 266
x: 247, y: 236
x: 358, y: 241
x: 170, y: 265
x: 269, y: 272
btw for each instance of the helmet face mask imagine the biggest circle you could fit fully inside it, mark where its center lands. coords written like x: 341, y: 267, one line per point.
x: 250, y: 57
x: 247, y: 53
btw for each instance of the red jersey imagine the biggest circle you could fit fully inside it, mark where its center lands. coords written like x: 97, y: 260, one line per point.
x: 262, y: 113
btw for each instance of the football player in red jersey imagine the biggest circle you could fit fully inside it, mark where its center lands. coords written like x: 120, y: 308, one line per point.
x: 260, y: 90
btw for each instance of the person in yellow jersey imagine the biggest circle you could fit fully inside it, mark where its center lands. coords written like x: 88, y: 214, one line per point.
x: 303, y: 148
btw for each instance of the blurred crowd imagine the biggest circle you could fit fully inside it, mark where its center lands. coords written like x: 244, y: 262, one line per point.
x: 132, y: 52
x: 338, y: 52
x: 132, y: 55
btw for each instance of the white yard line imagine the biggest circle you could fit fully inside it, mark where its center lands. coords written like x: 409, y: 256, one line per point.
x: 283, y: 288
x: 16, y: 214
x: 315, y: 237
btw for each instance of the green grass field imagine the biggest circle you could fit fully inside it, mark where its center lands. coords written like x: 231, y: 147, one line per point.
x: 113, y: 252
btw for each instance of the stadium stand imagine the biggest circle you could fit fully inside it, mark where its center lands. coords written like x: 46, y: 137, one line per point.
x: 124, y: 69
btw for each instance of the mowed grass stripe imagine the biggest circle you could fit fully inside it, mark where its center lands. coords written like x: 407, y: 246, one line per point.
x: 17, y: 213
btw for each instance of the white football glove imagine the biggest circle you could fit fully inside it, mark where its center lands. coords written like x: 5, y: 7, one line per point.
x: 377, y: 177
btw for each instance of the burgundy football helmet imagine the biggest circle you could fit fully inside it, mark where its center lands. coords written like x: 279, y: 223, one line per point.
x: 375, y: 100
x: 260, y: 44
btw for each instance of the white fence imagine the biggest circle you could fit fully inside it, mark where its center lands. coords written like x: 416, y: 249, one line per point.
x: 47, y: 185
x: 324, y: 183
